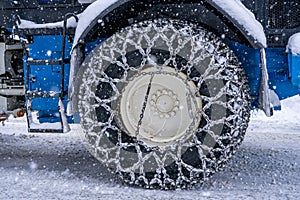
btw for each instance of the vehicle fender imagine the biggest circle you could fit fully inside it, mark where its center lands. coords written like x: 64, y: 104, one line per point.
x: 233, y: 12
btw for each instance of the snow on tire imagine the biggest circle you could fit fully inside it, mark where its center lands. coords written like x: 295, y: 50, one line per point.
x: 163, y: 103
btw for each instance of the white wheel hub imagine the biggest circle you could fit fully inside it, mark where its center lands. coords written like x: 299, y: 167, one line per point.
x: 164, y: 103
x: 170, y: 110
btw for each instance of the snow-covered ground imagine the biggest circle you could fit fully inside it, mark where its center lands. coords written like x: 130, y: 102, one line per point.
x: 57, y: 166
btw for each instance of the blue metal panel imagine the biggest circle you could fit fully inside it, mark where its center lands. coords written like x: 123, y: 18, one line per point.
x: 278, y: 70
x: 91, y: 45
x: 48, y: 47
x: 46, y: 78
x: 250, y: 59
x: 294, y: 69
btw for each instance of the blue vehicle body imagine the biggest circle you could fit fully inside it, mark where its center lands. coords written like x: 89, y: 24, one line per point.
x: 47, y: 77
x: 157, y: 85
x: 283, y: 67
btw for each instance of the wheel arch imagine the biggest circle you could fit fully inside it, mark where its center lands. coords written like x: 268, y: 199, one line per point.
x: 215, y: 15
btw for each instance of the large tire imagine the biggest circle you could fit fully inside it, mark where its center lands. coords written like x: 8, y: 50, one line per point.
x: 163, y: 103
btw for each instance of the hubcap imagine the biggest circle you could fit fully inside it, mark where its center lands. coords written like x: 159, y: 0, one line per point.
x: 164, y: 103
x: 170, y: 110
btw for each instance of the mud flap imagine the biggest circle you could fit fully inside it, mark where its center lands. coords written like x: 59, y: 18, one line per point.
x: 264, y: 92
x: 76, y: 72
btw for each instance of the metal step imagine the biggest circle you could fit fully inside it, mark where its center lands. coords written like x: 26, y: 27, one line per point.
x: 33, y: 122
x: 46, y: 62
x: 34, y: 126
x: 38, y: 94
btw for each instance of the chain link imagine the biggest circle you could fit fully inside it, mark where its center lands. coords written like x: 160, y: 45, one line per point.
x: 152, y: 31
x: 144, y: 107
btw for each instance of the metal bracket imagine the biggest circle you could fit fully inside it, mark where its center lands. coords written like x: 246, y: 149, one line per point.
x: 67, y: 16
x: 264, y: 91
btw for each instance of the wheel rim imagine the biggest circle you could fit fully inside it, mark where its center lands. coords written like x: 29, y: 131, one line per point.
x: 169, y: 111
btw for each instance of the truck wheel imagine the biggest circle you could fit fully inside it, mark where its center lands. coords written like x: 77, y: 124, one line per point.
x: 163, y: 103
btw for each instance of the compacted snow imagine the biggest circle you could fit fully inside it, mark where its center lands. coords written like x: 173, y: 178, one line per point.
x: 58, y: 166
x: 294, y: 44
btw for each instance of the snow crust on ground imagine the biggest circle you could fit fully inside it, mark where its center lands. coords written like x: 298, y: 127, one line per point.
x: 294, y: 44
x: 290, y: 114
x: 58, y: 166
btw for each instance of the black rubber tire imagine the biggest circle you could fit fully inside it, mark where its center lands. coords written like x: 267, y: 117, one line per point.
x: 206, y: 61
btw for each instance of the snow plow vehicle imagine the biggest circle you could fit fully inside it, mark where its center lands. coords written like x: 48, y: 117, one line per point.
x: 162, y: 88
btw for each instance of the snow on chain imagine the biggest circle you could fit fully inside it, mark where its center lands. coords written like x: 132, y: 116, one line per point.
x: 146, y: 160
